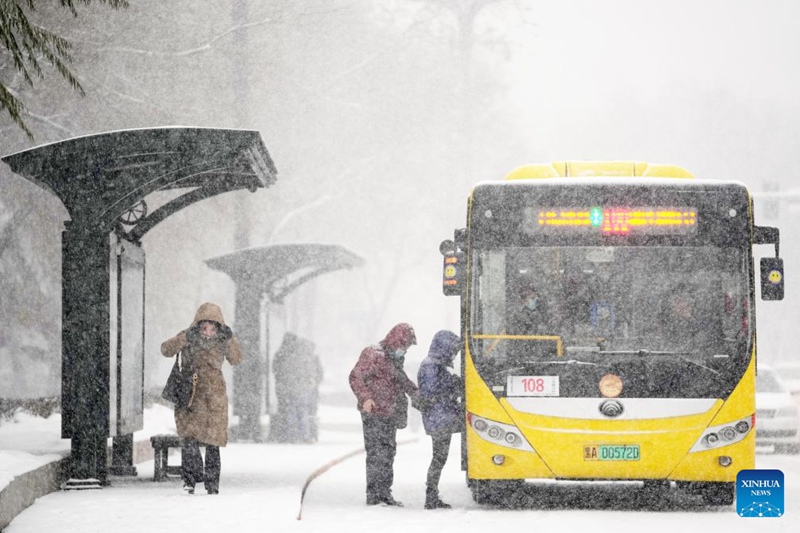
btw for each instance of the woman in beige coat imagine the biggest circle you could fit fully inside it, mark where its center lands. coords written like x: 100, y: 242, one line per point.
x: 204, y: 346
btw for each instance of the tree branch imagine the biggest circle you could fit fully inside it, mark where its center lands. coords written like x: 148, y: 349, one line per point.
x: 208, y: 45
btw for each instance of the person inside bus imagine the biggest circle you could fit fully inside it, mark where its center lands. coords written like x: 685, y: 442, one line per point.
x: 529, y: 316
x: 681, y: 325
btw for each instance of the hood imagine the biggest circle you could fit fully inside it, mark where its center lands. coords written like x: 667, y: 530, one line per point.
x: 399, y: 336
x: 444, y: 347
x: 289, y: 343
x: 209, y: 311
x: 305, y: 346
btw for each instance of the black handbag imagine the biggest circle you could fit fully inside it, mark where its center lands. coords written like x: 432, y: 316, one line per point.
x: 181, y: 384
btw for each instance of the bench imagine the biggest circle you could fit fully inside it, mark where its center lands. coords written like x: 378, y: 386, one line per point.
x: 161, y: 445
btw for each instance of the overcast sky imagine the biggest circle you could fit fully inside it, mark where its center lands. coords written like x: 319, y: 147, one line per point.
x: 640, y: 79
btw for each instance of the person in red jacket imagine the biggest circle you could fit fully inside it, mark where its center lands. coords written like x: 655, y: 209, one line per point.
x: 381, y: 385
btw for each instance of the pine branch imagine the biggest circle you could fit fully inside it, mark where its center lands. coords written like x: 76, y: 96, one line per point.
x: 28, y: 43
x: 70, y: 4
x: 15, y: 108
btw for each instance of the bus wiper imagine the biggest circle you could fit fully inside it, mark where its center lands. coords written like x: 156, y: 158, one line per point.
x: 506, y: 370
x: 567, y: 362
x: 643, y: 352
x: 534, y: 363
x: 679, y: 354
x: 701, y: 366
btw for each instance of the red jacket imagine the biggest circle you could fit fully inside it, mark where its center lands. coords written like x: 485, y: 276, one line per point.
x: 377, y: 377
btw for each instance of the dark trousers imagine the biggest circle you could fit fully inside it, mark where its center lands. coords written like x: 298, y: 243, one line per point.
x: 192, y: 469
x: 380, y: 443
x: 441, y: 449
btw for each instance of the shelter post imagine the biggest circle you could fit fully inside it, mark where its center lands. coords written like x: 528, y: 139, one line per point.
x: 85, y: 340
x: 248, y: 377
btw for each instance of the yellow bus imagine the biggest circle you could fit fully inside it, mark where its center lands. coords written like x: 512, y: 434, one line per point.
x: 607, y: 310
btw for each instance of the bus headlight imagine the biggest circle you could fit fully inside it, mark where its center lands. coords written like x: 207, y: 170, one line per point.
x: 495, y: 432
x: 728, y: 433
x: 723, y: 435
x: 499, y: 433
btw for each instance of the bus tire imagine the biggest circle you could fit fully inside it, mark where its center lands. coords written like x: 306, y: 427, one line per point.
x: 719, y: 493
x: 496, y: 492
x: 656, y: 487
x: 484, y: 491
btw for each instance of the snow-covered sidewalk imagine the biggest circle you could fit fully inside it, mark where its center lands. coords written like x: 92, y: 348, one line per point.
x: 259, y: 490
x: 28, y: 442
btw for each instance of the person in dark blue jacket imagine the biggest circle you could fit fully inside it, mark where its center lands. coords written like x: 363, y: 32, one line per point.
x: 439, y: 392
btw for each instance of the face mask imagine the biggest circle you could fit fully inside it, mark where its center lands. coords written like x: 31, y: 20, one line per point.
x: 532, y: 304
x: 399, y: 353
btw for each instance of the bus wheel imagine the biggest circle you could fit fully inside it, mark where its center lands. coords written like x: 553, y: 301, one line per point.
x: 656, y: 487
x: 497, y: 492
x: 719, y: 493
x: 483, y: 491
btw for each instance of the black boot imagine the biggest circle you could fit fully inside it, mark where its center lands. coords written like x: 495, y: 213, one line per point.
x: 432, y: 500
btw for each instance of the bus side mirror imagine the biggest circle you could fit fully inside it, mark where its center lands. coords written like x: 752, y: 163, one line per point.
x: 460, y: 236
x: 771, y: 278
x: 454, y: 269
x: 768, y: 235
x: 447, y: 247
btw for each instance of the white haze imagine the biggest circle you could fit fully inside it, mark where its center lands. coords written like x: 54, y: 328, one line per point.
x: 371, y: 148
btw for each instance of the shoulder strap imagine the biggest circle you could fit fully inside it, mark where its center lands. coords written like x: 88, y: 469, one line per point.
x: 184, y: 358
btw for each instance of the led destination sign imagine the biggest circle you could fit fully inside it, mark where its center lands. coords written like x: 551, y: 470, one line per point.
x: 613, y: 220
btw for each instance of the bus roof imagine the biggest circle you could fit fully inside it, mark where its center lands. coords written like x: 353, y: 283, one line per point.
x: 573, y: 169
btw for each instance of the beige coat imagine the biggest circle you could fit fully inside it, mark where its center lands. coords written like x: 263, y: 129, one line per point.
x: 207, y: 419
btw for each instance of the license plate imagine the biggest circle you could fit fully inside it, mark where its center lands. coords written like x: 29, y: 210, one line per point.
x: 611, y: 452
x: 532, y: 386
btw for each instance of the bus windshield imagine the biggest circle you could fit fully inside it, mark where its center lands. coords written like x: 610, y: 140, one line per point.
x: 675, y: 319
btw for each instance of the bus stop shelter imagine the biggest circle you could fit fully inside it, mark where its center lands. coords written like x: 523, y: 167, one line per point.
x: 105, y: 182
x: 265, y: 275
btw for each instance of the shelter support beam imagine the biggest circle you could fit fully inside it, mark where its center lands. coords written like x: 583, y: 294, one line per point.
x: 122, y: 456
x: 248, y: 377
x: 85, y: 341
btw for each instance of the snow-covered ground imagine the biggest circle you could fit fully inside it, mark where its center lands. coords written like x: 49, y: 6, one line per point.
x: 261, y: 486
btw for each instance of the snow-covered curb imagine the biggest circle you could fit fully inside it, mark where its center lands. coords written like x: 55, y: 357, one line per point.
x: 23, y: 489
x: 33, y: 456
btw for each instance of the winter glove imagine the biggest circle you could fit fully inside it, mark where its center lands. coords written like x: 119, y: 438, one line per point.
x: 224, y: 333
x: 420, y: 403
x: 193, y: 334
x: 183, y: 340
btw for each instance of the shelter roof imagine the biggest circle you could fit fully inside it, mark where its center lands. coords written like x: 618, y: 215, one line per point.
x: 101, y: 177
x: 280, y: 268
